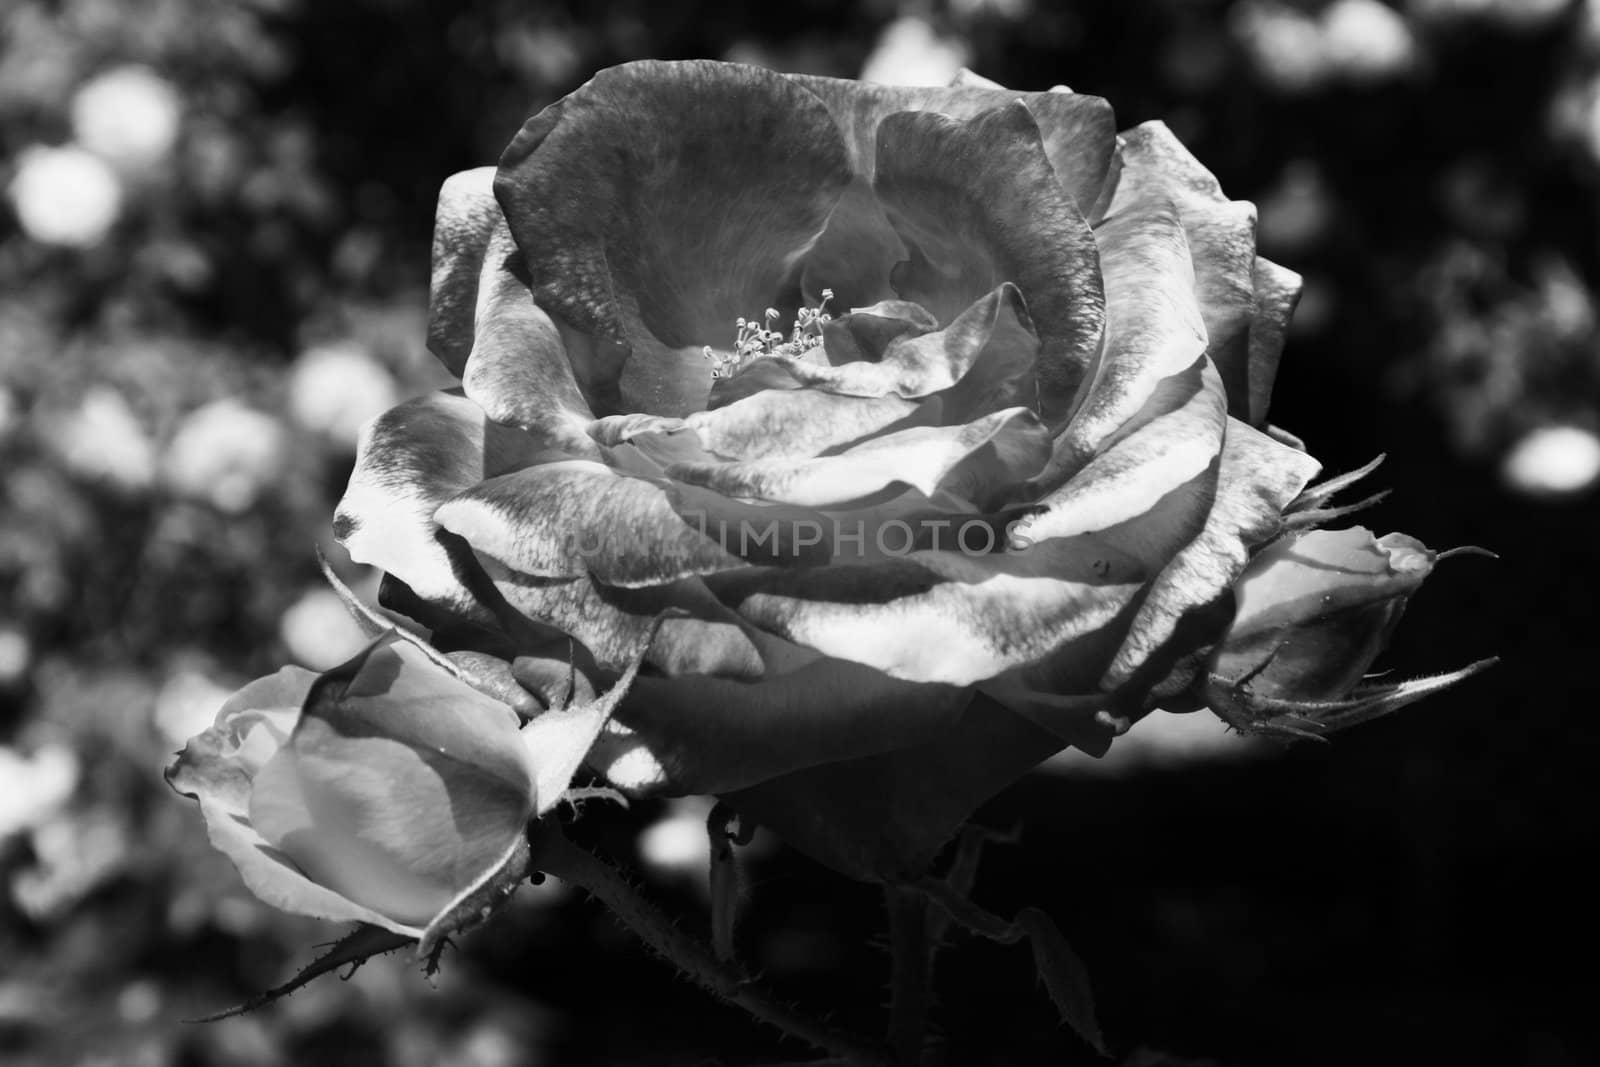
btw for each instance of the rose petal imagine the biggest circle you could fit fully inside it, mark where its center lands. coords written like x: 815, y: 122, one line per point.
x: 1078, y: 132
x: 707, y: 734
x: 855, y: 252
x: 518, y: 374
x: 881, y: 359
x: 463, y: 225
x: 250, y: 727
x: 919, y: 365
x: 569, y: 519
x: 1222, y: 245
x: 797, y: 422
x: 400, y: 787
x: 943, y: 616
x: 977, y: 204
x: 884, y: 526
x: 698, y: 635
x: 1256, y: 479
x: 1005, y: 448
x: 884, y: 818
x: 652, y: 222
x: 1277, y: 293
x: 1175, y: 439
x: 1153, y: 326
x: 410, y: 460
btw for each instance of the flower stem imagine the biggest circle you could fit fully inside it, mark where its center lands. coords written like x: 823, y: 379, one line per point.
x: 554, y: 854
x: 911, y: 974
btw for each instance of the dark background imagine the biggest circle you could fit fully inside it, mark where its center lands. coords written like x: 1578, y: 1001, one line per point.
x: 1417, y: 892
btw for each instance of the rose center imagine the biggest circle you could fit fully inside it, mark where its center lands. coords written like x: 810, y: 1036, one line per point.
x: 756, y: 338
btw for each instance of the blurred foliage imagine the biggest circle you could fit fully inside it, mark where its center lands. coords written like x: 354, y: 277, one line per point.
x: 213, y: 268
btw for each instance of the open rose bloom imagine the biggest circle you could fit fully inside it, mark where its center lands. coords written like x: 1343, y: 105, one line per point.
x: 982, y: 484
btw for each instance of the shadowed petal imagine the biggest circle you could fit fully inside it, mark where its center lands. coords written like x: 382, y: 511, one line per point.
x: 859, y: 246
x: 705, y: 734
x: 976, y: 204
x: 410, y: 460
x: 884, y: 818
x: 1078, y: 132
x: 651, y: 218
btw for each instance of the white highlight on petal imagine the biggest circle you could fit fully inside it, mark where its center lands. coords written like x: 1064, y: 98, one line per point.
x: 128, y: 115
x: 65, y: 196
x: 1553, y: 461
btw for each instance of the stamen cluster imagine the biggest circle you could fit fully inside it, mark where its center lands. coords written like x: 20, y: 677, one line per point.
x: 756, y: 338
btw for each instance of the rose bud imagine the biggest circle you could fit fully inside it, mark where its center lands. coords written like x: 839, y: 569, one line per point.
x: 1313, y: 611
x: 386, y: 791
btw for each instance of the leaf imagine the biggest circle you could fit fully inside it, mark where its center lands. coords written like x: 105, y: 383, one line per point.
x: 354, y: 949
x: 1063, y: 974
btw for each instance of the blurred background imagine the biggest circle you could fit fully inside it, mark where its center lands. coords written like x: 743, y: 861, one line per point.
x: 214, y: 227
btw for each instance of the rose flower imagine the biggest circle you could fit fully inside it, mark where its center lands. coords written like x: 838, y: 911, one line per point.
x: 907, y: 435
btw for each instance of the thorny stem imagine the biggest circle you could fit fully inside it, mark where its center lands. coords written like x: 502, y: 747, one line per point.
x: 966, y: 913
x: 911, y: 974
x: 554, y: 854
